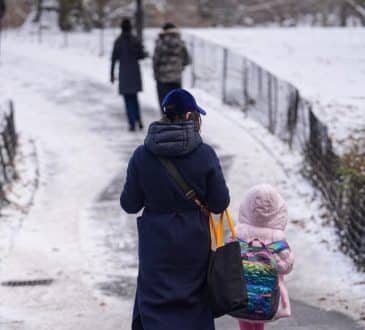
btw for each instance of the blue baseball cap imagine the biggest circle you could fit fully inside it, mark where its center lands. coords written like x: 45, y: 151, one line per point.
x: 180, y: 101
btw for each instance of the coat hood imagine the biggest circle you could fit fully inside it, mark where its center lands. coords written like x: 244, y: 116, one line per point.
x: 173, y: 31
x: 172, y: 140
x: 263, y: 206
x: 170, y: 37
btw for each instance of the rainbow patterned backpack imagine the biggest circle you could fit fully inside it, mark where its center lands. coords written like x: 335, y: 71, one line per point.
x: 262, y: 279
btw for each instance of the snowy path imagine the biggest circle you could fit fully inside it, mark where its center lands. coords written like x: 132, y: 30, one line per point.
x: 76, y: 162
x: 76, y: 233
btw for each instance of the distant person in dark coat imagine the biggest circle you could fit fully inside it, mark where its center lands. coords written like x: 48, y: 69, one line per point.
x: 174, y: 238
x: 169, y: 60
x: 128, y: 50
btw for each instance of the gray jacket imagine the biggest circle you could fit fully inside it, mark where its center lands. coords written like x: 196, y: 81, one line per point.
x: 170, y: 57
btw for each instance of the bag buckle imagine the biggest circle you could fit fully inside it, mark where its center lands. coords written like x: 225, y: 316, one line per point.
x: 190, y: 194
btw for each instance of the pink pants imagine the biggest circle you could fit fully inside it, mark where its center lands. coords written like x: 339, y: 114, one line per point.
x: 250, y: 326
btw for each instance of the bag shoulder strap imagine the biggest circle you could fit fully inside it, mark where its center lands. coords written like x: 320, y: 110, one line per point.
x: 176, y: 176
x: 274, y: 247
x: 278, y: 246
x: 190, y: 194
x: 188, y: 191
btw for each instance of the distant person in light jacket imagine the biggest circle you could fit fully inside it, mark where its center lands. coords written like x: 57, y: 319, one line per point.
x: 128, y: 50
x: 169, y: 60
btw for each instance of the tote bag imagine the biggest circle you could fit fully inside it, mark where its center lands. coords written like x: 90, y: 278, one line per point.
x: 226, y: 283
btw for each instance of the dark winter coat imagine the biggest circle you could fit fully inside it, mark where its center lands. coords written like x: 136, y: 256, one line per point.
x: 128, y: 51
x: 170, y: 57
x: 174, y: 240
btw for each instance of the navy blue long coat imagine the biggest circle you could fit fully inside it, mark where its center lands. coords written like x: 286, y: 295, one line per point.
x: 128, y: 51
x: 174, y: 239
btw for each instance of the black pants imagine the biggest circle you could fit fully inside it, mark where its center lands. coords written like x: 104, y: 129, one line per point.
x: 164, y: 88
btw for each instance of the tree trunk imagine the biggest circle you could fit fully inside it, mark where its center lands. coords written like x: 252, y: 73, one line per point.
x: 343, y: 15
x: 63, y: 15
x: 139, y: 19
x: 2, y: 9
x: 39, y: 9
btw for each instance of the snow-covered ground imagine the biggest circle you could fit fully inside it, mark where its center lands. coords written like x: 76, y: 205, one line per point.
x: 326, y: 64
x: 64, y: 103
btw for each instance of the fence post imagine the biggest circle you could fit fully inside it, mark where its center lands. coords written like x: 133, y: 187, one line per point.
x: 40, y: 32
x: 245, y: 82
x: 269, y: 102
x: 293, y: 114
x: 65, y: 39
x: 1, y: 27
x: 224, y: 78
x: 260, y: 80
x: 12, y: 124
x: 2, y: 160
x: 276, y: 100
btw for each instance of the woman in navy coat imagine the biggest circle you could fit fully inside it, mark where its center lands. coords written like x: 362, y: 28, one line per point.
x: 174, y: 238
x: 128, y: 50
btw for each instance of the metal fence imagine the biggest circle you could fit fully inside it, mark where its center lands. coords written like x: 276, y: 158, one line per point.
x: 279, y: 107
x: 8, y: 147
x: 275, y: 103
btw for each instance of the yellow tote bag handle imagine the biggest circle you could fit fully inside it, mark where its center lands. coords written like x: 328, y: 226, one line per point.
x: 231, y: 225
x: 219, y: 231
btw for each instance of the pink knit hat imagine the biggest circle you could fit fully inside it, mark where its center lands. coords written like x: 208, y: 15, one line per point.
x: 263, y: 206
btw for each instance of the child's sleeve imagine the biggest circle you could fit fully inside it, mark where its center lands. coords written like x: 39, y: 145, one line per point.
x: 285, y: 260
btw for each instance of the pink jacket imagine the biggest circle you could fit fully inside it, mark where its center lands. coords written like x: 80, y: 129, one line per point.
x: 264, y: 214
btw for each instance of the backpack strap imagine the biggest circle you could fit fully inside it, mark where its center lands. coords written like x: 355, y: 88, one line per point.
x: 278, y: 246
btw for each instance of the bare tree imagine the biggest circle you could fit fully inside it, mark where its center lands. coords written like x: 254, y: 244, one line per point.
x: 72, y: 13
x: 2, y: 14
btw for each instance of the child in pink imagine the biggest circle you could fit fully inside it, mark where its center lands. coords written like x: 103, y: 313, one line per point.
x: 263, y: 215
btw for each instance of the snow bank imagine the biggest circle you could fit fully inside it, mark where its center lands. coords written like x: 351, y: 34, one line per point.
x: 327, y: 65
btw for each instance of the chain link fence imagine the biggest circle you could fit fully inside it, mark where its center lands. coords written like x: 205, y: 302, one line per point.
x: 8, y: 148
x: 279, y: 107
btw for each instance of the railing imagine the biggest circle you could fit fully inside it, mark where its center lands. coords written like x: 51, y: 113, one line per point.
x: 8, y: 147
x: 279, y: 107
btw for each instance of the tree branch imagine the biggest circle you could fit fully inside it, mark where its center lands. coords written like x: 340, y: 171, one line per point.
x: 358, y: 8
